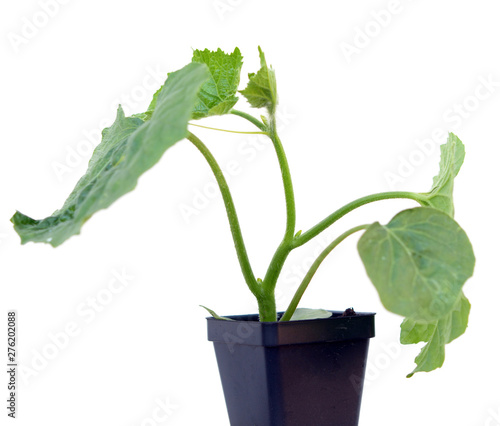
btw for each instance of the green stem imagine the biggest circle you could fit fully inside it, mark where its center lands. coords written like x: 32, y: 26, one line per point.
x: 312, y: 270
x: 234, y: 224
x: 276, y: 265
x: 267, y: 308
x: 287, y: 183
x: 328, y: 221
x: 285, y: 247
x: 285, y: 169
x: 250, y: 118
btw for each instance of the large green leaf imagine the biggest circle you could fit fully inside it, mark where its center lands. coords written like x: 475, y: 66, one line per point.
x: 261, y: 89
x: 418, y: 262
x: 441, y: 194
x: 437, y: 334
x: 129, y: 148
x: 217, y: 95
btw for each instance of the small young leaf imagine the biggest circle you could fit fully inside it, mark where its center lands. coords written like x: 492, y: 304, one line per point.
x: 217, y: 95
x: 215, y: 315
x: 418, y: 262
x: 261, y: 89
x: 305, y: 314
x: 441, y: 195
x: 437, y: 334
x: 129, y: 148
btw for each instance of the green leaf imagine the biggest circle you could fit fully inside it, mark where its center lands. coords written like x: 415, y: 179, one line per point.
x: 215, y: 315
x: 217, y: 95
x: 145, y: 116
x: 129, y: 148
x: 306, y: 314
x: 261, y: 89
x: 441, y: 195
x: 418, y: 263
x: 437, y: 334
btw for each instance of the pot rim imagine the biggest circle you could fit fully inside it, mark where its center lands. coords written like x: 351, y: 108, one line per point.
x: 247, y: 330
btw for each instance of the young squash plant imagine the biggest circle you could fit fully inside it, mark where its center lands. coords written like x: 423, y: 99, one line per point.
x: 418, y: 262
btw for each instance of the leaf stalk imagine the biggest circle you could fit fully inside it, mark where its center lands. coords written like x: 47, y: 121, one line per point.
x: 234, y: 224
x: 312, y: 270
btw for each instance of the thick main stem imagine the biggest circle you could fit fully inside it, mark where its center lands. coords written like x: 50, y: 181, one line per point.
x: 287, y: 182
x: 285, y: 247
x: 312, y: 270
x: 267, y: 307
x: 234, y: 224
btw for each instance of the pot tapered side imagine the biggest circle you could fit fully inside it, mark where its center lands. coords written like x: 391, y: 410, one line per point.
x: 292, y: 373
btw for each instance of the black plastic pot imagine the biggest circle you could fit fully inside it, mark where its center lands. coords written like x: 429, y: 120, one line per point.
x: 297, y: 373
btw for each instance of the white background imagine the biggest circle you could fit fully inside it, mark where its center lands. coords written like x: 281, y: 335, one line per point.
x: 348, y: 120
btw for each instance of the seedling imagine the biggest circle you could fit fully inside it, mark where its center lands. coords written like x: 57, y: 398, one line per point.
x: 418, y: 262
